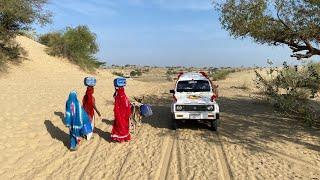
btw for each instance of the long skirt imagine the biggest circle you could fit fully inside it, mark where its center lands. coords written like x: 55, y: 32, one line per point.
x: 120, y: 130
x: 92, y: 124
x: 73, y: 142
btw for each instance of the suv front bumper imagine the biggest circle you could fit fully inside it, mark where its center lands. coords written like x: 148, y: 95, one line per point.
x: 196, y: 115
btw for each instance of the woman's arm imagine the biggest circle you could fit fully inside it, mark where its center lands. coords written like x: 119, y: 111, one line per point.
x: 95, y: 108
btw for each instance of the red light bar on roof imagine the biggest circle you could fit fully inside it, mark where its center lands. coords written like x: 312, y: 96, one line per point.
x: 180, y: 74
x: 204, y: 74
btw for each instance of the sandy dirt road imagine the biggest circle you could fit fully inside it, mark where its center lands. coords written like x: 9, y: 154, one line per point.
x: 253, y: 142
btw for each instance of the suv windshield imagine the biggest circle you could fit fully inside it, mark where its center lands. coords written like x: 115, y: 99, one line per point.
x: 193, y: 86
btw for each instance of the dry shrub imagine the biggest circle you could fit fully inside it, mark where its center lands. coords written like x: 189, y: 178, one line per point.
x: 16, y: 17
x: 136, y: 72
x: 77, y: 44
x: 11, y: 52
x: 221, y: 74
x: 289, y: 90
x: 120, y: 74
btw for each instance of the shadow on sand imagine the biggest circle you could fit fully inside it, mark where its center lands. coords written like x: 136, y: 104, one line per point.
x: 249, y: 122
x: 103, y: 134
x: 107, y: 121
x: 254, y: 123
x: 60, y: 115
x: 162, y: 117
x: 57, y: 133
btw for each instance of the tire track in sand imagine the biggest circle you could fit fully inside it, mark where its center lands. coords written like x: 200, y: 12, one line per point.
x: 62, y: 159
x: 171, y: 146
x: 303, y: 164
x: 125, y: 159
x: 166, y: 157
x: 224, y: 167
x: 93, y: 152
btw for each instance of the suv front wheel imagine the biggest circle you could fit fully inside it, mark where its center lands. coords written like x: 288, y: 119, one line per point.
x: 214, y: 125
x: 174, y: 123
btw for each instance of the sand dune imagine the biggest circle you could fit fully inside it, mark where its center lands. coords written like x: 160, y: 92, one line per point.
x: 253, y: 141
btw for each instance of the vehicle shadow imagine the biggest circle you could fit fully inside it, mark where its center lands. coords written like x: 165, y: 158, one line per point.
x: 249, y: 122
x: 254, y: 124
x: 162, y: 117
x: 160, y: 106
x: 57, y: 133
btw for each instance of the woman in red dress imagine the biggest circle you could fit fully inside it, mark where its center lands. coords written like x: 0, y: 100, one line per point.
x: 122, y: 111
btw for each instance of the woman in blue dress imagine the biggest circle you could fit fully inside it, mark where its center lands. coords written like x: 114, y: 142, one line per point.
x: 76, y: 120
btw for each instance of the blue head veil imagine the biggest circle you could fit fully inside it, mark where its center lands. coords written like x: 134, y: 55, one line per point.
x: 75, y: 117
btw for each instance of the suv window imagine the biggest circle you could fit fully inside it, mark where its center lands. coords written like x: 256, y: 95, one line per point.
x: 193, y: 86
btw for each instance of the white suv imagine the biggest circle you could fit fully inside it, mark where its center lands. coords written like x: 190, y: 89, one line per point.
x: 194, y: 99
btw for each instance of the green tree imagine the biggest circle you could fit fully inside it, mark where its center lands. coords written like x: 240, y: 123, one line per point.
x: 17, y: 16
x: 133, y: 73
x: 55, y: 42
x: 136, y: 72
x: 295, y: 23
x: 77, y: 44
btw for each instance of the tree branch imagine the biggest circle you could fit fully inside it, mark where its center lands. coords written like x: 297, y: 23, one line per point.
x: 302, y: 56
x: 297, y: 47
x: 281, y: 21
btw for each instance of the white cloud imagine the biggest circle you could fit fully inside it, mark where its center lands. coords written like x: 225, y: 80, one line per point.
x: 88, y: 7
x: 194, y: 5
x: 108, y: 8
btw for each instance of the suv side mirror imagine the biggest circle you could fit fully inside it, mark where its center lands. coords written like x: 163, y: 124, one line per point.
x: 172, y: 91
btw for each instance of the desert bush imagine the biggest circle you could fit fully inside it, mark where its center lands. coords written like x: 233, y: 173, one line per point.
x: 3, y: 59
x: 169, y: 78
x: 133, y: 73
x: 55, y: 42
x: 77, y: 44
x: 17, y: 16
x: 171, y: 71
x: 10, y: 53
x: 315, y: 66
x: 31, y: 34
x: 221, y: 74
x: 50, y: 38
x: 146, y: 70
x: 136, y: 72
x: 118, y: 74
x: 289, y: 89
x: 243, y: 86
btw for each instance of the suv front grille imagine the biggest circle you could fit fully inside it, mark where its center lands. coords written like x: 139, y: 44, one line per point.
x: 193, y: 107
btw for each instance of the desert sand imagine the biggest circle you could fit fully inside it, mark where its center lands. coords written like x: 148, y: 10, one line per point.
x: 253, y: 141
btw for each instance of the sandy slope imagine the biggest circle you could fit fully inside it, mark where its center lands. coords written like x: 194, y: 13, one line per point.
x: 253, y: 142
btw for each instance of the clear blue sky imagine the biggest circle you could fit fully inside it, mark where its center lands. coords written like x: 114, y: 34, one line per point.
x: 160, y: 32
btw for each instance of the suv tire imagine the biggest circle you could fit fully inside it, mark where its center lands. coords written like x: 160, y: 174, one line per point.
x: 214, y: 125
x: 174, y: 123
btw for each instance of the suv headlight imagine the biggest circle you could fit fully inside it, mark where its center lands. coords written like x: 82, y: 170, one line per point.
x: 210, y: 108
x: 179, y: 108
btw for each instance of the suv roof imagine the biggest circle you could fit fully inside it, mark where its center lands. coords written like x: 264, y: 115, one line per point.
x: 192, y: 76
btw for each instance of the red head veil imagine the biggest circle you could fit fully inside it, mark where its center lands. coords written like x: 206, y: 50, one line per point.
x: 88, y: 102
